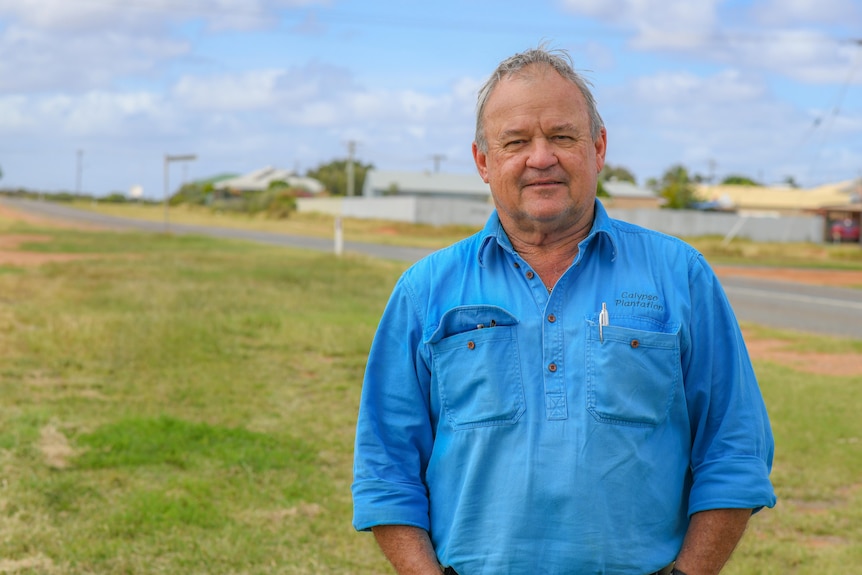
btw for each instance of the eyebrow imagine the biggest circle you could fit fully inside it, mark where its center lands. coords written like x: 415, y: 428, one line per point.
x: 556, y: 129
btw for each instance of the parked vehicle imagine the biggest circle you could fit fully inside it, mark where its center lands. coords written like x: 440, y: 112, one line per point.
x: 845, y: 230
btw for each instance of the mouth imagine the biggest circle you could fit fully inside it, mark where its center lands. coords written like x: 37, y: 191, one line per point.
x: 544, y: 183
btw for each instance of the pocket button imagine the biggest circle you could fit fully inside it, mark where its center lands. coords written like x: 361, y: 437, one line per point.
x: 635, y: 343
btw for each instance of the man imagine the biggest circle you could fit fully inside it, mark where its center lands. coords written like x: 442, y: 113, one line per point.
x: 561, y: 393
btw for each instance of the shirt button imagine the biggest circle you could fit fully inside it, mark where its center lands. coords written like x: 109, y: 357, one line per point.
x: 471, y: 345
x: 517, y: 265
x: 552, y: 318
x: 530, y: 275
x: 635, y: 343
x: 552, y: 367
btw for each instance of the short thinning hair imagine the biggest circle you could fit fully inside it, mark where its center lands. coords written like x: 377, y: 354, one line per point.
x: 560, y: 61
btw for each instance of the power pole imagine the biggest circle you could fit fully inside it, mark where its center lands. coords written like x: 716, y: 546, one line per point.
x: 168, y: 159
x: 351, y: 150
x: 437, y: 158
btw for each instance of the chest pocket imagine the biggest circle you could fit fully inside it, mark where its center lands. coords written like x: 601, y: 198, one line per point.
x: 632, y: 372
x: 476, y: 366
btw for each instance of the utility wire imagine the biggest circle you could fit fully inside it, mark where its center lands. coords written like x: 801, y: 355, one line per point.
x: 836, y: 110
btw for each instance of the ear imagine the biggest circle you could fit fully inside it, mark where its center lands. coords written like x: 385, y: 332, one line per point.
x: 601, y: 144
x: 481, y: 160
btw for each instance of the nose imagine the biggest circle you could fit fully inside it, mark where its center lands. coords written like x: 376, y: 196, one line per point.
x: 542, y: 154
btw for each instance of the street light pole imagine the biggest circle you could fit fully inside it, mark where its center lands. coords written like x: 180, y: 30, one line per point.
x: 168, y: 159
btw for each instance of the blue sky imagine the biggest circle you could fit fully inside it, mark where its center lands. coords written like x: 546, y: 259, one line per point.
x: 762, y: 88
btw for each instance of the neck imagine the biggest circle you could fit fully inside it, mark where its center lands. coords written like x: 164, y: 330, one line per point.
x: 549, y: 258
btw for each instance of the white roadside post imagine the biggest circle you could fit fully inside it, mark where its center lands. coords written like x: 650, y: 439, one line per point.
x: 339, y: 237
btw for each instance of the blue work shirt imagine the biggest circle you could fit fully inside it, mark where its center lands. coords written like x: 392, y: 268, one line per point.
x: 526, y: 438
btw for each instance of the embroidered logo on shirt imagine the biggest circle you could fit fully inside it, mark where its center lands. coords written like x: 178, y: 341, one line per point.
x: 639, y: 300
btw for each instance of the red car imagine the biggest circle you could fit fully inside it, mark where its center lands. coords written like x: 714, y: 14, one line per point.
x: 845, y: 230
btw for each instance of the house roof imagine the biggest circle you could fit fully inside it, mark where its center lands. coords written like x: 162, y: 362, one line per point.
x: 259, y: 180
x: 782, y: 197
x: 425, y: 183
x: 623, y: 189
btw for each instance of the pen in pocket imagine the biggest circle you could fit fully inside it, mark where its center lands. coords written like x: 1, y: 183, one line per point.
x: 603, y: 321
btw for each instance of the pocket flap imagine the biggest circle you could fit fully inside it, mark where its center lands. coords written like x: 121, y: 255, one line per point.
x: 470, y: 317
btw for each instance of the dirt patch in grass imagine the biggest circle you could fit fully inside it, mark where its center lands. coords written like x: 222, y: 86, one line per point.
x: 38, y: 564
x: 10, y: 244
x: 55, y: 447
x: 777, y: 351
x: 11, y: 254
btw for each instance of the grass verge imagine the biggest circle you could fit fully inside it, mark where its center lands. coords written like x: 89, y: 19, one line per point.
x: 738, y: 252
x: 187, y: 405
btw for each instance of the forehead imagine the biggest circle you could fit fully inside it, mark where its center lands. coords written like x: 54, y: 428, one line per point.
x: 537, y: 92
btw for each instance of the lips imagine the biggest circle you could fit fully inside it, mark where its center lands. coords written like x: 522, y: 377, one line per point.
x: 538, y: 179
x: 543, y: 183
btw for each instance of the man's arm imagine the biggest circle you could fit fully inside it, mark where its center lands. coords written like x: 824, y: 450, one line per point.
x: 711, y: 538
x: 408, y: 548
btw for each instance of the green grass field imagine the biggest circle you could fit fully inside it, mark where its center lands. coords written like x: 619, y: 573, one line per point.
x: 185, y: 405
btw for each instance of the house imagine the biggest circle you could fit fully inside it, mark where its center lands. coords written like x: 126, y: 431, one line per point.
x: 626, y: 195
x: 260, y: 180
x: 783, y: 200
x: 426, y: 185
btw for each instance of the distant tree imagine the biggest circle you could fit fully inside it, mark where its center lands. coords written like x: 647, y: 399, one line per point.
x: 334, y: 176
x: 736, y: 180
x: 789, y: 180
x: 677, y: 188
x: 193, y: 193
x: 600, y: 189
x: 113, y: 198
x: 618, y: 173
x: 391, y: 190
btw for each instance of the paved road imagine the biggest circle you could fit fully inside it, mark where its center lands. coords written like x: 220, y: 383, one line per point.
x: 813, y: 309
x: 785, y: 305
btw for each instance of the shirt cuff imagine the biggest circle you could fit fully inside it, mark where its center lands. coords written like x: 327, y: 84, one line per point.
x: 377, y: 502
x: 739, y: 483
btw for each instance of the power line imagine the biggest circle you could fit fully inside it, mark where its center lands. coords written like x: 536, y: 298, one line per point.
x: 836, y: 110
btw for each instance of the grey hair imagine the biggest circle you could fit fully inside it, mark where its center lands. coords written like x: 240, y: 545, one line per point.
x: 560, y: 61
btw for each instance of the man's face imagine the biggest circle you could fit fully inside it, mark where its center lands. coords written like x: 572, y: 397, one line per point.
x: 541, y: 163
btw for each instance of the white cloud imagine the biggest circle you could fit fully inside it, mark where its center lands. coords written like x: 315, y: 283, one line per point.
x: 807, y: 56
x: 729, y: 118
x: 111, y: 114
x: 658, y: 24
x: 83, y: 16
x: 89, y: 44
x: 806, y: 12
x: 673, y: 89
x: 252, y: 90
x: 87, y: 115
x: 37, y: 61
x: 783, y: 39
x: 14, y: 117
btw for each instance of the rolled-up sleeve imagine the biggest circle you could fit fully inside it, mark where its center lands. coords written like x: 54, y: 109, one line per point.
x: 394, y: 432
x: 732, y: 442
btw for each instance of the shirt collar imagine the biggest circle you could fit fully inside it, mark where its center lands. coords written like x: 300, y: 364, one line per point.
x: 603, y: 233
